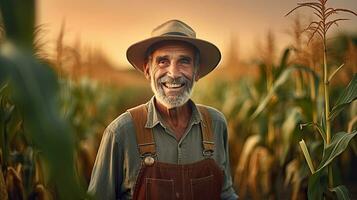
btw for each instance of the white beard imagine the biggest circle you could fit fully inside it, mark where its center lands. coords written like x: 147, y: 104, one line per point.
x: 171, y: 101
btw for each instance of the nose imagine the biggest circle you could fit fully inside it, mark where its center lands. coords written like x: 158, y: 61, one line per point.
x: 173, y: 70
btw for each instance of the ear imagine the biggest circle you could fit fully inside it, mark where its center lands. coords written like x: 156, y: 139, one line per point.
x: 197, y: 76
x: 147, y: 70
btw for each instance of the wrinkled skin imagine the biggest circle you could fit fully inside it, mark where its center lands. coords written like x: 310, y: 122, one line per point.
x: 172, y: 72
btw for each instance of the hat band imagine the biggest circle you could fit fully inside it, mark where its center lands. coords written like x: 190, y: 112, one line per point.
x: 175, y: 34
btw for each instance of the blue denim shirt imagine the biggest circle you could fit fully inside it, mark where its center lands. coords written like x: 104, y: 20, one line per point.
x: 118, y: 160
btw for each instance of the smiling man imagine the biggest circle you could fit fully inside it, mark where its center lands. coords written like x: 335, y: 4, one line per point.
x: 170, y: 147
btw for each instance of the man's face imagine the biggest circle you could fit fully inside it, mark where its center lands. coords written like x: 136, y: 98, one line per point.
x: 172, y: 73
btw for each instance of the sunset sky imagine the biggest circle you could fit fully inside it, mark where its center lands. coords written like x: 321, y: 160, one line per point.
x: 113, y: 25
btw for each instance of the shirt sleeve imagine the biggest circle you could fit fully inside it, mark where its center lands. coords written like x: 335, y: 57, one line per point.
x: 107, y: 173
x: 228, y: 192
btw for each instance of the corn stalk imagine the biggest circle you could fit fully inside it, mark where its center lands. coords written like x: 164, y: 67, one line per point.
x: 320, y: 28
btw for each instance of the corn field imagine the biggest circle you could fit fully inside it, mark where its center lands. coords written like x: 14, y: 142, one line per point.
x: 291, y: 121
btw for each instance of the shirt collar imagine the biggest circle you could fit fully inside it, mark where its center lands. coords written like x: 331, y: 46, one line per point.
x: 154, y: 117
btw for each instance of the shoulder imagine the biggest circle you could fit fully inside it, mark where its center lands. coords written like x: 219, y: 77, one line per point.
x: 216, y: 115
x: 123, y: 121
x: 120, y: 126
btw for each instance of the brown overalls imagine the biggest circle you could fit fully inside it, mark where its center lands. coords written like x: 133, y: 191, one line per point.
x: 158, y: 180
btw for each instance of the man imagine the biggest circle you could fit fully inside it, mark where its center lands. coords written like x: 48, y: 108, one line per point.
x: 169, y: 148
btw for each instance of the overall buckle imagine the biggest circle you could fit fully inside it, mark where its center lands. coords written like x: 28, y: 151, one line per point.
x: 148, y: 158
x: 207, y: 153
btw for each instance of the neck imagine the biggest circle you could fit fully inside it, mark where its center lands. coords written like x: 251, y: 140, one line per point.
x: 175, y: 115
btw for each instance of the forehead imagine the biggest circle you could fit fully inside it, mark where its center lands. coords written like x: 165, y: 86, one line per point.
x: 173, y: 47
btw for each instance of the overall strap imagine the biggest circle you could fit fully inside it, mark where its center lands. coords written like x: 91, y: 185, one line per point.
x: 207, y: 134
x: 144, y: 136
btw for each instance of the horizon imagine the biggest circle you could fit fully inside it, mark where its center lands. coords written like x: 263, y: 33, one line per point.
x: 93, y: 23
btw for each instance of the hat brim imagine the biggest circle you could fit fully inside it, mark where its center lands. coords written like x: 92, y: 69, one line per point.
x: 209, y: 53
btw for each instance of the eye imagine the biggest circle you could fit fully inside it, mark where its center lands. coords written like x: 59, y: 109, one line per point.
x: 163, y: 62
x: 185, y: 61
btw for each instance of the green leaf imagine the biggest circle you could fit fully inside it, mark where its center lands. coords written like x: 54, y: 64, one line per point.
x: 3, y: 88
x: 285, y: 57
x: 290, y: 124
x: 283, y: 62
x: 19, y: 20
x: 338, y: 144
x: 317, y: 185
x: 277, y: 84
x: 35, y: 89
x: 323, y: 121
x: 341, y: 192
x: 318, y: 128
x: 347, y: 96
x: 307, y: 156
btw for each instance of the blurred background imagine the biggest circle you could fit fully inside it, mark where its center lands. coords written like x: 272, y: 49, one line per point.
x: 267, y: 85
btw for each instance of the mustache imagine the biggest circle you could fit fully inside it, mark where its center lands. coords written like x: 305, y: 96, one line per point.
x: 177, y: 80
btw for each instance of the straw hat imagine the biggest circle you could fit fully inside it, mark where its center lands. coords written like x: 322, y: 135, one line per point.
x: 175, y: 30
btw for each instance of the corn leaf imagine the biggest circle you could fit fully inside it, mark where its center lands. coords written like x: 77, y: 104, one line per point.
x: 285, y: 57
x: 338, y: 144
x: 19, y: 20
x: 35, y: 91
x: 290, y: 124
x: 283, y: 78
x: 341, y: 192
x: 347, y: 96
x: 307, y: 156
x: 323, y: 122
x: 317, y: 185
x: 317, y: 127
x: 283, y: 62
x: 248, y: 147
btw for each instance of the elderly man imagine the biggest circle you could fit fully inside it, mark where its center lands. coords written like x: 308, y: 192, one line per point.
x: 168, y: 148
